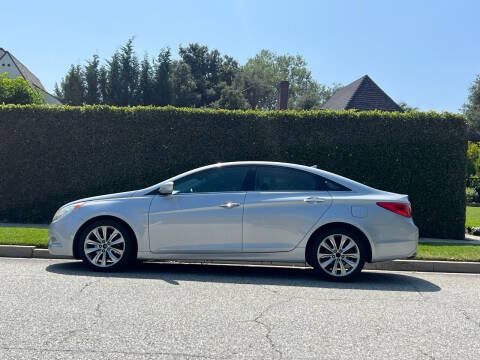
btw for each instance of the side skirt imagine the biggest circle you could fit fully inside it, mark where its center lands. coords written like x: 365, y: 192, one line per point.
x: 297, y: 255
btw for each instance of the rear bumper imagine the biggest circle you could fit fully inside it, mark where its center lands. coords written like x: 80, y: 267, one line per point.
x: 394, y: 242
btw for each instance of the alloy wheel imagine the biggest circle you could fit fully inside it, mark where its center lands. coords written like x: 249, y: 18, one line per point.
x: 104, y: 246
x: 338, y: 255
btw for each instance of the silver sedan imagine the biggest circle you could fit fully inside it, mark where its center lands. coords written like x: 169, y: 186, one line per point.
x: 241, y: 211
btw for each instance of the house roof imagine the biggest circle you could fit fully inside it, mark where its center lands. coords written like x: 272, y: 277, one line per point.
x: 362, y: 94
x: 30, y: 77
x: 27, y: 74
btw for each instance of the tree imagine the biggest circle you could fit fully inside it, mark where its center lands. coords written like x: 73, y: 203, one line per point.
x: 261, y: 74
x: 231, y: 98
x: 183, y: 85
x: 314, y: 97
x: 129, y: 70
x: 114, y: 92
x: 91, y: 73
x: 145, y: 83
x: 18, y: 91
x: 210, y: 72
x: 406, y: 107
x: 103, y: 85
x: 199, y: 78
x: 472, y: 110
x: 162, y: 87
x: 473, y: 159
x: 72, y: 87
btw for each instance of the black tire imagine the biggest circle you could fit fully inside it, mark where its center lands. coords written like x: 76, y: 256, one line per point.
x: 128, y: 246
x: 326, y: 272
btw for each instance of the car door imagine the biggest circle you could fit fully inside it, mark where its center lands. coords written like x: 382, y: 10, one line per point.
x: 203, y: 214
x: 283, y: 207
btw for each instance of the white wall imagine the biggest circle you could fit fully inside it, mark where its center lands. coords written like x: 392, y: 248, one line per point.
x: 7, y: 66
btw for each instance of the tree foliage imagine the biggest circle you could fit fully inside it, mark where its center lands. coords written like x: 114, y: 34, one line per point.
x: 406, y: 107
x: 200, y: 77
x: 473, y: 155
x: 472, y: 110
x: 18, y: 91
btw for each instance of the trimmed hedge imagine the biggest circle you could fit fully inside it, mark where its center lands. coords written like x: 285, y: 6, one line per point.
x: 51, y: 155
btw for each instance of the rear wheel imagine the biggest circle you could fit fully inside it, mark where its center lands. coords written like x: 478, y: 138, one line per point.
x: 337, y: 254
x: 107, y: 245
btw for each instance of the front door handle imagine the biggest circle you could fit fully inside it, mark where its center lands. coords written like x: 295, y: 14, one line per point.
x: 314, y: 199
x: 229, y: 205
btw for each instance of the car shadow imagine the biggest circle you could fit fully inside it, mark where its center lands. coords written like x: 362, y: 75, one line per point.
x: 174, y: 273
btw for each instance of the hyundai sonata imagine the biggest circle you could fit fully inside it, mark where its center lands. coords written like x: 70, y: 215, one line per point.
x: 241, y: 211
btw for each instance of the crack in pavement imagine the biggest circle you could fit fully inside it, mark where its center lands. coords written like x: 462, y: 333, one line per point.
x: 468, y: 317
x: 87, y: 284
x: 268, y: 328
x: 427, y: 355
x: 65, y: 336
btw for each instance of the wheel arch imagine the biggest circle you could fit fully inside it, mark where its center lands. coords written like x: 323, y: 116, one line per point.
x: 344, y: 225
x: 76, y: 238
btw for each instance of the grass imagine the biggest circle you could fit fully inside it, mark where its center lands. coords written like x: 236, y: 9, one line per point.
x: 24, y: 236
x: 452, y: 252
x: 473, y: 216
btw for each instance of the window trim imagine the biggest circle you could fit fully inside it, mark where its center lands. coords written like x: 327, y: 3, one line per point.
x: 320, y: 187
x: 245, y: 182
x: 248, y: 184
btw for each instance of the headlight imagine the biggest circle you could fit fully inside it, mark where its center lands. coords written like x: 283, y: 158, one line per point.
x: 64, y: 210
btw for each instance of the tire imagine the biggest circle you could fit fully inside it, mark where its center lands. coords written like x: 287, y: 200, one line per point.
x: 112, y: 252
x: 333, y: 264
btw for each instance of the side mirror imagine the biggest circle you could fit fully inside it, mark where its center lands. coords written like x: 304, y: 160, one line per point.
x: 166, y: 188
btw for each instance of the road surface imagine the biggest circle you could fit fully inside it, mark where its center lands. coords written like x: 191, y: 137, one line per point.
x: 56, y: 309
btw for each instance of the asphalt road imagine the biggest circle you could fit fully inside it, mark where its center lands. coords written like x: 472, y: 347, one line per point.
x: 56, y: 309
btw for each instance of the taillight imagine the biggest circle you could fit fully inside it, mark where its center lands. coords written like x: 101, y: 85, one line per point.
x: 398, y: 208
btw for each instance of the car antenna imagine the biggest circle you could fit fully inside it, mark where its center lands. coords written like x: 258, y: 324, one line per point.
x: 314, y: 166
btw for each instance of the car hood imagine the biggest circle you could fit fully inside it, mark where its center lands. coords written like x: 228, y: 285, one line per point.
x: 125, y: 194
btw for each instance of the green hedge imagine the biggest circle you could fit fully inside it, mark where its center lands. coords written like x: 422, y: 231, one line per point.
x: 52, y: 155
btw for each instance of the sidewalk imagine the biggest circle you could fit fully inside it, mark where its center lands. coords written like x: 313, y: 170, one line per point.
x: 469, y: 240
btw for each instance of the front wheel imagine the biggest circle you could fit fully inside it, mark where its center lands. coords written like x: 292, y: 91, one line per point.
x: 337, y: 254
x: 107, y: 245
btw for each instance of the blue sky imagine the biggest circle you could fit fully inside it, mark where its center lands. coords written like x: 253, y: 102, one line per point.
x: 423, y: 52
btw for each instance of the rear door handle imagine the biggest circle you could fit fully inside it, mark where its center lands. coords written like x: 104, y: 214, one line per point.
x: 229, y: 205
x: 314, y: 199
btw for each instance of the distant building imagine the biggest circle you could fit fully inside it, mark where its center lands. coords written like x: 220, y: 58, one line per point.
x: 14, y: 68
x: 362, y: 94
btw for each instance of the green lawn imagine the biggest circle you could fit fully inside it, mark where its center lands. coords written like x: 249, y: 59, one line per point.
x: 24, y: 236
x: 440, y: 251
x: 473, y: 216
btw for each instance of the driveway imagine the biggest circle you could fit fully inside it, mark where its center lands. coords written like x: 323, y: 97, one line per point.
x: 55, y: 309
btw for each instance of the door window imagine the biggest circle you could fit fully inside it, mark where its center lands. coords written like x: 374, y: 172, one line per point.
x: 274, y: 178
x: 221, y: 179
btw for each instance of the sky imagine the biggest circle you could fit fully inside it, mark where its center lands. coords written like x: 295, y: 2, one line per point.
x: 425, y: 53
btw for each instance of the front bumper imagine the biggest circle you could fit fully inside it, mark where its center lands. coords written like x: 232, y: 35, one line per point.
x: 60, y: 238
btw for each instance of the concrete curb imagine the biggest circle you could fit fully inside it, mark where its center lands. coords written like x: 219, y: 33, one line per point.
x: 427, y: 266
x: 19, y: 251
x: 16, y: 251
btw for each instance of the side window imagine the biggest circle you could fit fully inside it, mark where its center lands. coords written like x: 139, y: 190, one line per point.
x: 222, y: 179
x: 333, y: 186
x: 274, y: 178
